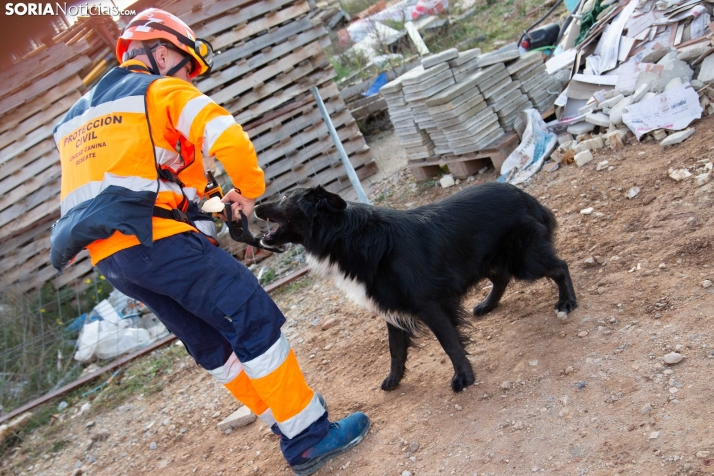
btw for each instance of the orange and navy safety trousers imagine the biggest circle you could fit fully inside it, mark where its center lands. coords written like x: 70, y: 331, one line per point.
x: 110, y: 151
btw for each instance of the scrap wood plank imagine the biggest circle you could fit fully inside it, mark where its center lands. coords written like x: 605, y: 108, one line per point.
x: 308, y: 178
x: 258, y: 43
x: 193, y: 13
x: 277, y: 116
x: 27, y: 219
x: 44, y: 84
x: 28, y: 71
x: 342, y: 182
x: 262, y: 76
x: 262, y: 24
x: 300, y: 171
x: 243, y: 113
x: 37, y: 105
x: 49, y: 192
x: 241, y: 17
x: 28, y: 172
x: 29, y: 186
x: 31, y: 139
x: 49, y: 115
x: 303, y: 138
x: 81, y: 267
x: 320, y: 158
x: 44, y: 151
x: 17, y: 273
x: 12, y: 245
x: 335, y: 170
x: 248, y: 67
x: 41, y: 244
x: 310, y: 116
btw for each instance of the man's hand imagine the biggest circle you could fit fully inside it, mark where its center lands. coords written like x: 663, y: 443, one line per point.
x: 240, y: 203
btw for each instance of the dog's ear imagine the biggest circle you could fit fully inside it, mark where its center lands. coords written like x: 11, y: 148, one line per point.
x: 331, y: 201
x: 318, y: 199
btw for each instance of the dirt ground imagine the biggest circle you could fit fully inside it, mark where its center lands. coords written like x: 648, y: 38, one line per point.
x: 590, y: 395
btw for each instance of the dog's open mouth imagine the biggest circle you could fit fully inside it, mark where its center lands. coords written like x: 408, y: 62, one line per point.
x: 269, y: 238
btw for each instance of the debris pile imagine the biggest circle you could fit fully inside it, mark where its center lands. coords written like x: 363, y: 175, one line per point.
x: 641, y: 70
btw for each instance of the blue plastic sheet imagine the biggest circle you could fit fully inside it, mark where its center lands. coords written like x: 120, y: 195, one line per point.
x: 376, y: 85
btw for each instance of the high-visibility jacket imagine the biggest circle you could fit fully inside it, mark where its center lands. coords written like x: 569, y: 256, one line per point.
x: 113, y: 141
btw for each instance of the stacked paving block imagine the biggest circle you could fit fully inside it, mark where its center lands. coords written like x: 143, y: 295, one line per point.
x: 456, y: 106
x: 541, y: 89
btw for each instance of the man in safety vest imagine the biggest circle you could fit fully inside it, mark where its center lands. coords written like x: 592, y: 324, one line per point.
x: 132, y: 173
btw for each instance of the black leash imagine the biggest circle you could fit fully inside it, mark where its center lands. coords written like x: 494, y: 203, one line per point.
x: 240, y: 231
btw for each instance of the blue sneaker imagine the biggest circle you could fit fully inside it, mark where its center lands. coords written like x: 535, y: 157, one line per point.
x: 342, y: 436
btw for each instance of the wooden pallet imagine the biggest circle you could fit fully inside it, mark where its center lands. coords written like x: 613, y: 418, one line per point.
x: 271, y: 53
x: 462, y: 166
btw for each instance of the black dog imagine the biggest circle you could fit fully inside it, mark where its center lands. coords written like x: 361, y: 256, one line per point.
x: 415, y: 266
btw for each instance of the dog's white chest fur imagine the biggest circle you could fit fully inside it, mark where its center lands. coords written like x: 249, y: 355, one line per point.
x: 357, y: 292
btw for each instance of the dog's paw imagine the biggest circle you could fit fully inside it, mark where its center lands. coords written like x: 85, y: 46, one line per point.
x: 566, y: 305
x: 482, y: 309
x: 462, y: 380
x: 390, y: 383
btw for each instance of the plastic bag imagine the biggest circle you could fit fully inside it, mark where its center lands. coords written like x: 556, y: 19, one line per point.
x: 537, y: 143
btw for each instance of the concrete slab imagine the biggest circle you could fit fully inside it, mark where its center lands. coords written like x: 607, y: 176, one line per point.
x: 532, y: 70
x: 655, y: 55
x: 470, y: 123
x: 392, y: 86
x: 464, y: 57
x: 476, y: 101
x: 640, y: 92
x: 677, y: 137
x: 510, y: 89
x: 534, y: 82
x: 619, y: 109
x: 598, y: 118
x: 516, y: 105
x: 497, y: 88
x: 542, y: 96
x: 486, y: 74
x: 438, y: 58
x: 468, y: 67
x: 419, y: 74
x: 582, y: 158
x: 550, y: 85
x: 507, y: 53
x: 460, y: 119
x: 426, y: 84
x: 580, y: 128
x: 450, y: 93
x: 494, y: 82
x: 609, y: 103
x: 454, y: 103
x: 670, y: 56
x: 431, y: 91
x: 497, y: 133
x: 511, y: 118
x: 525, y: 61
x: 476, y: 136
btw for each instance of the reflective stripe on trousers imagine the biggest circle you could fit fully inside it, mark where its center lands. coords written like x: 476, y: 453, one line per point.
x: 229, y: 325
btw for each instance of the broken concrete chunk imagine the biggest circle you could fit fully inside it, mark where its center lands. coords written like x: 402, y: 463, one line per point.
x: 633, y: 192
x: 692, y: 52
x: 696, y: 84
x: 583, y: 158
x: 609, y: 103
x: 706, y: 70
x: 447, y: 181
x: 640, y: 92
x: 580, y: 128
x: 679, y: 175
x: 677, y: 137
x: 588, y: 108
x: 703, y: 179
x: 602, y: 165
x: 647, y: 77
x: 670, y: 56
x: 655, y: 55
x: 614, y: 140
x: 564, y: 138
x: 618, y: 110
x: 241, y: 417
x: 598, y: 118
x: 674, y: 83
x: 675, y: 69
x: 659, y: 134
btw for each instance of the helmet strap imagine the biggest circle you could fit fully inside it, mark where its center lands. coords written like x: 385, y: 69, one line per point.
x: 154, y: 69
x: 180, y: 65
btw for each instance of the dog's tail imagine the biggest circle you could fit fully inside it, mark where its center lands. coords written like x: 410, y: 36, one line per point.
x: 541, y: 213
